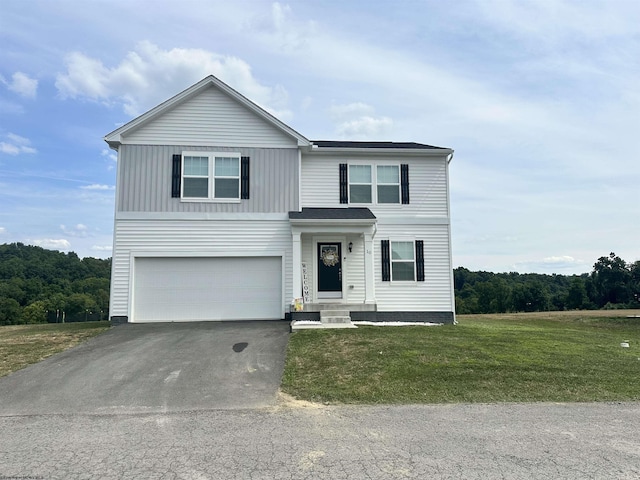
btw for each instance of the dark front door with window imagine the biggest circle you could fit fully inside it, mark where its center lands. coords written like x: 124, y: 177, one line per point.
x: 329, y: 270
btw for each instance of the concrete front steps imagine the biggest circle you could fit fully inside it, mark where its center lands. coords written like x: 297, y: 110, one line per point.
x: 328, y: 319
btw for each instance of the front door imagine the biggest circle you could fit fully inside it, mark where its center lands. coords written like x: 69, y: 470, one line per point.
x: 329, y: 270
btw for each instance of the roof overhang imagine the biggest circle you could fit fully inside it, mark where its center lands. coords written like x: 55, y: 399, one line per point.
x: 333, y: 220
x: 369, y: 152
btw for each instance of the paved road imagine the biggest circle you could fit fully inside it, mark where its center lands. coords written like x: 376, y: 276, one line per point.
x: 530, y: 441
x: 155, y: 368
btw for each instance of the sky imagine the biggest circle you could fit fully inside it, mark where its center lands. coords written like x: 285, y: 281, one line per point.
x: 539, y: 99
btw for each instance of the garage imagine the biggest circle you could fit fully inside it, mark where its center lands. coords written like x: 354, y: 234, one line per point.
x: 181, y: 289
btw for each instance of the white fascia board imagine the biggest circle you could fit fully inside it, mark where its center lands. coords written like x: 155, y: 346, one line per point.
x: 115, y: 138
x: 321, y: 229
x: 413, y: 152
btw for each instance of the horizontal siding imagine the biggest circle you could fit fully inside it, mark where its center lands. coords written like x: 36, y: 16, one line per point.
x: 210, y: 118
x: 427, y: 184
x: 434, y: 294
x: 144, y: 180
x: 178, y: 238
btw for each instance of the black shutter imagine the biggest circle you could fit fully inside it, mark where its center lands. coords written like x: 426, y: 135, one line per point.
x: 386, y: 263
x: 420, y: 260
x: 344, y: 184
x: 176, y: 171
x: 404, y: 183
x: 244, y: 178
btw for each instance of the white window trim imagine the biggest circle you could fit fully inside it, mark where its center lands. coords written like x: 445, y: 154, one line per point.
x: 374, y: 182
x: 391, y: 260
x: 370, y: 184
x: 211, y: 177
x: 397, y: 184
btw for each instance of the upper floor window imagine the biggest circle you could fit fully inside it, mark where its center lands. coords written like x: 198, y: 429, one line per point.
x: 388, y: 183
x: 214, y: 176
x: 379, y: 184
x: 360, y: 183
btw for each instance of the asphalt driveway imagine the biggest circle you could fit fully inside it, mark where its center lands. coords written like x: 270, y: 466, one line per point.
x: 155, y: 368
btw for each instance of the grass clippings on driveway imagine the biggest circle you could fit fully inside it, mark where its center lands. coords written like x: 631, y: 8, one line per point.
x: 22, y: 345
x: 559, y: 356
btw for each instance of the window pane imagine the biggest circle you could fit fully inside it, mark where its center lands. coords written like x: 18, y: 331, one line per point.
x: 227, y: 188
x: 227, y: 167
x: 402, y: 271
x: 402, y: 250
x: 359, y: 173
x: 388, y: 194
x: 196, y: 188
x: 360, y: 194
x: 196, y: 166
x: 388, y: 174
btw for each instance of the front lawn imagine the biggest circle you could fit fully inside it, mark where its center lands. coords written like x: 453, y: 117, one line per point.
x: 550, y: 356
x: 22, y: 345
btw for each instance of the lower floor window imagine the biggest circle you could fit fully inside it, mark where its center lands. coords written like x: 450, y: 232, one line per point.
x: 402, y: 261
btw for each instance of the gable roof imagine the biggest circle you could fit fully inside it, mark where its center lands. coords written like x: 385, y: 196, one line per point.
x: 114, y: 138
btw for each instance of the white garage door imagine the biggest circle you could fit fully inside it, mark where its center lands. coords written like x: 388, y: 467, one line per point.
x: 204, y: 288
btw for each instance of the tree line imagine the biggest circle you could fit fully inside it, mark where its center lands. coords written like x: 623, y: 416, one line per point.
x: 39, y: 285
x: 613, y: 283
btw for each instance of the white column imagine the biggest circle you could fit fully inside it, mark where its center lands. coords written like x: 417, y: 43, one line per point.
x: 297, y: 265
x: 369, y: 277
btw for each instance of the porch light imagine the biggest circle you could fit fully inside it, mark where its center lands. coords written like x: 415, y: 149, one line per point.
x: 350, y: 246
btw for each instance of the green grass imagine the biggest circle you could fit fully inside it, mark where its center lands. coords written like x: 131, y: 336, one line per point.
x: 568, y: 357
x: 22, y: 345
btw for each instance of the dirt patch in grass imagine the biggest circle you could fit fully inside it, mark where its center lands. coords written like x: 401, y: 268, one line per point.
x: 22, y: 345
x: 549, y: 356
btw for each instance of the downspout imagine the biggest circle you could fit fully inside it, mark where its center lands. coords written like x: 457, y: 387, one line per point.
x: 452, y: 285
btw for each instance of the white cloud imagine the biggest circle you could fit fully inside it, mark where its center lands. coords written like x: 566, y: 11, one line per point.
x: 365, y: 128
x: 149, y: 75
x: 97, y: 186
x: 56, y: 244
x: 110, y: 154
x: 3, y: 230
x: 559, y: 263
x: 102, y: 248
x: 15, y: 145
x: 21, y: 84
x: 80, y: 230
x: 357, y: 121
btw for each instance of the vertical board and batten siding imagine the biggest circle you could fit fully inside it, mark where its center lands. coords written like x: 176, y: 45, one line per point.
x: 144, y: 180
x: 210, y: 118
x: 434, y: 294
x: 203, y: 238
x: 427, y: 184
x: 352, y: 267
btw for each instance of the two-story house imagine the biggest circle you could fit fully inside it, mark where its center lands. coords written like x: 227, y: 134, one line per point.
x: 223, y: 212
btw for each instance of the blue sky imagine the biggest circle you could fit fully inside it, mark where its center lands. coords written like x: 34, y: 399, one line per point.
x: 539, y: 99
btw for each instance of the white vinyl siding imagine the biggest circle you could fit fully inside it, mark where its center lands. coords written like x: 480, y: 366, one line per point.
x: 320, y: 184
x: 144, y: 180
x: 434, y: 294
x: 195, y: 238
x: 210, y: 118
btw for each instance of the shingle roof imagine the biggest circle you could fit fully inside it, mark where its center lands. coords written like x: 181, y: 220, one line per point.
x: 333, y: 214
x: 348, y: 144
